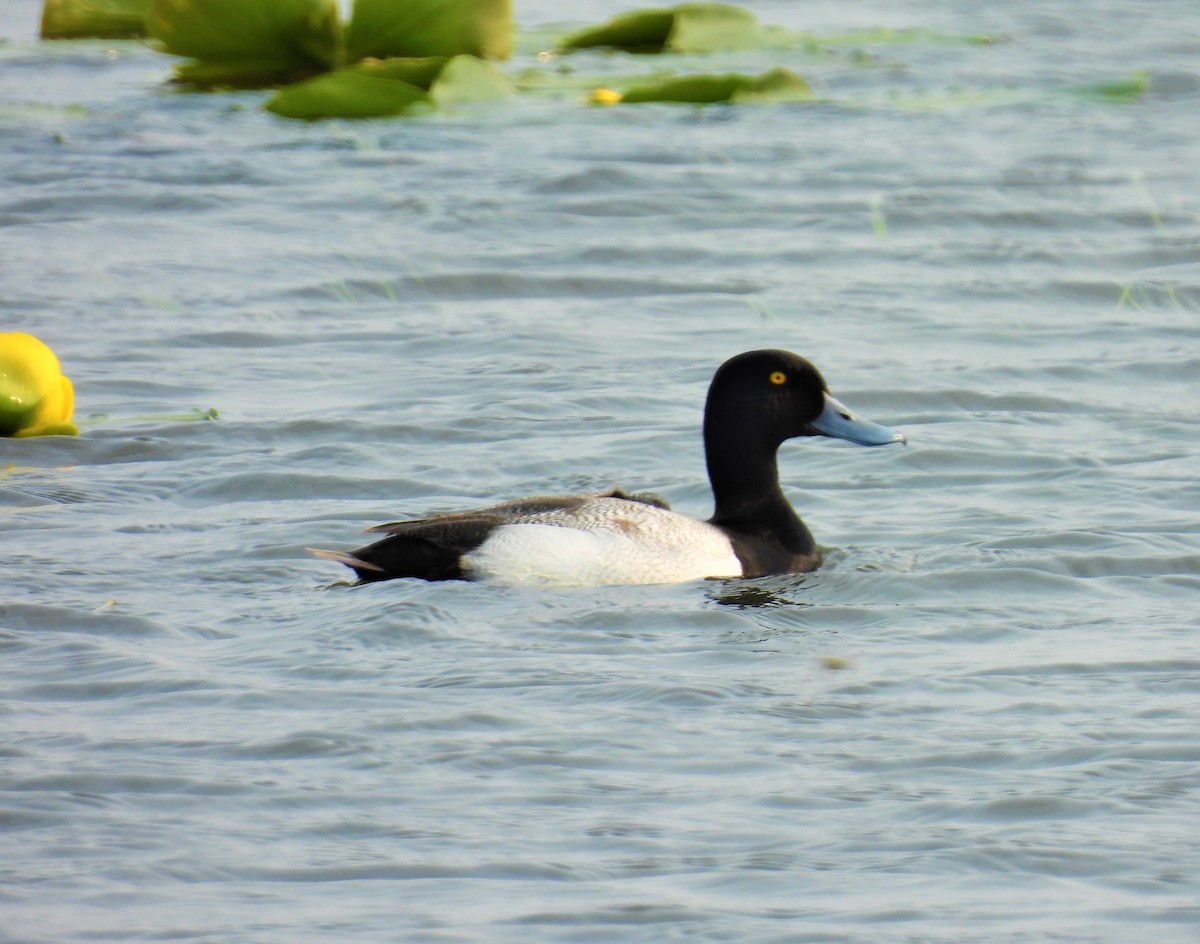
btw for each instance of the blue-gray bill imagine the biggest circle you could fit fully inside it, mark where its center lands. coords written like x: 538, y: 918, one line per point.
x: 837, y: 421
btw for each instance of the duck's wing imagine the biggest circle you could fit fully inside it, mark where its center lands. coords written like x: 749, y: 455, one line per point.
x: 518, y: 510
x: 490, y: 517
x: 642, y: 498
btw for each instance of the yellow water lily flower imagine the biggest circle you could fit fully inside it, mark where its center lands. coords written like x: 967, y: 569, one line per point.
x: 35, y: 398
x: 604, y: 96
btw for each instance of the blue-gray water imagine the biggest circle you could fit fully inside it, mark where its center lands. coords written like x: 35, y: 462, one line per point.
x: 978, y: 722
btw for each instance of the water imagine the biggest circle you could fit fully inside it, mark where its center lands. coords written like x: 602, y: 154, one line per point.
x: 977, y: 722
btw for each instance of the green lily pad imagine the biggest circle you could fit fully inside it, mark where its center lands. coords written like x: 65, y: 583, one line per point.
x: 421, y: 72
x: 416, y: 28
x: 777, y: 85
x: 639, y: 31
x: 203, y: 74
x: 376, y: 89
x: 467, y: 79
x: 695, y: 89
x: 774, y: 85
x: 689, y: 27
x: 247, y: 42
x: 102, y: 19
x: 347, y: 93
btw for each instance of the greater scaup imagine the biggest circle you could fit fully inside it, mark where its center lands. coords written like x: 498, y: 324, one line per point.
x: 755, y: 402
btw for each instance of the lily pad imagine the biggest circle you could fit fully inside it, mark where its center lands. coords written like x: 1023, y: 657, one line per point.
x: 694, y: 89
x: 348, y: 93
x: 416, y: 28
x: 689, y: 27
x: 380, y: 88
x: 102, y: 19
x: 777, y: 85
x: 421, y: 71
x: 247, y: 42
x: 774, y: 85
x: 467, y: 79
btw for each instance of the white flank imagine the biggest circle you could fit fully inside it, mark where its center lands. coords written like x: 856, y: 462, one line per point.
x: 604, y: 541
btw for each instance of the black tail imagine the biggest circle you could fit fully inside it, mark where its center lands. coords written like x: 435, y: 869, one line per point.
x: 400, y: 555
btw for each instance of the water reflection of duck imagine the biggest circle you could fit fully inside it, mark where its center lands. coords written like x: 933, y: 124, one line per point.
x: 755, y: 402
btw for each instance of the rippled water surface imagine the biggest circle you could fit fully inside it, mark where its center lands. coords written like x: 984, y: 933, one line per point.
x: 977, y: 722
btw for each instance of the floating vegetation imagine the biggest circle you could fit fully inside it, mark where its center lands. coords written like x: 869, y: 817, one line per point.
x: 886, y: 36
x: 776, y: 85
x: 247, y: 43
x: 689, y: 27
x: 1114, y: 91
x: 196, y: 414
x: 259, y: 43
x: 418, y: 28
x: 1158, y: 294
x: 405, y: 57
x: 1128, y: 89
x: 102, y: 19
x: 391, y: 87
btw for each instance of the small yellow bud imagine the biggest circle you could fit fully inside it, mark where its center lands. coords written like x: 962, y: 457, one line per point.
x: 605, y: 96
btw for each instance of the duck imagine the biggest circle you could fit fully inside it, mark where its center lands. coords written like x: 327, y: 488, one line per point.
x: 756, y: 401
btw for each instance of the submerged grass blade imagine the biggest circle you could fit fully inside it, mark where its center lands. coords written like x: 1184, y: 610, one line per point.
x: 1116, y: 91
x: 878, y: 220
x: 194, y: 415
x: 887, y: 36
x: 1127, y: 89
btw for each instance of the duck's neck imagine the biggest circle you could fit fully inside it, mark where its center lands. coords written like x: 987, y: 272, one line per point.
x: 744, y: 474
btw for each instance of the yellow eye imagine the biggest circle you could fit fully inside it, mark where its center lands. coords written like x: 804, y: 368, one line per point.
x: 778, y: 378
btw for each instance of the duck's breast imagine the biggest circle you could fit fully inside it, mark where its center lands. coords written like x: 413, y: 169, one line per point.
x: 604, y: 541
